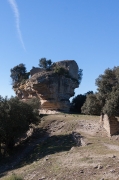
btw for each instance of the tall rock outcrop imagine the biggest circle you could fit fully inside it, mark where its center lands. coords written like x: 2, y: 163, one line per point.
x: 53, y: 87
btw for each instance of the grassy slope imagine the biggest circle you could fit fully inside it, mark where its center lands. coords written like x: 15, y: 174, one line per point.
x: 59, y: 158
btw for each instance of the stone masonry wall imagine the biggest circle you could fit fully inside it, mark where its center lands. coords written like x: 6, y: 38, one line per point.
x: 111, y: 124
x: 35, y: 70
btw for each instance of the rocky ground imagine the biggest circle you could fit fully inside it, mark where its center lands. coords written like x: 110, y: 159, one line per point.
x: 72, y: 147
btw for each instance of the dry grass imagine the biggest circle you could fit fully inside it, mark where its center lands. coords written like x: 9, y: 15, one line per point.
x: 59, y: 158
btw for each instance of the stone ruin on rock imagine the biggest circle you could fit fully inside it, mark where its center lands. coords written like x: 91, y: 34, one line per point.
x: 111, y: 124
x: 52, y: 89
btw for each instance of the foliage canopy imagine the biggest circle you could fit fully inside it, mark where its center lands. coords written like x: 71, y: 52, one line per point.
x: 19, y: 73
x: 106, y: 100
x: 78, y: 101
x: 15, y: 118
x: 108, y: 89
x: 44, y: 63
x: 92, y: 105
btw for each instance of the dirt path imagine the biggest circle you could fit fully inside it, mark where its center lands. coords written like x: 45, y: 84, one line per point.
x: 111, y: 146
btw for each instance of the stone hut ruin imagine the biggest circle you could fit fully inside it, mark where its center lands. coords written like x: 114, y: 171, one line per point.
x: 111, y: 124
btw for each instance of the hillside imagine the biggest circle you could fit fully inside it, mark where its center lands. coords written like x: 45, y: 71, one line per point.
x: 54, y: 154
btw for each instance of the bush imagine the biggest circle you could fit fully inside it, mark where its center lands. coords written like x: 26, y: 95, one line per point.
x: 14, y: 177
x: 60, y: 70
x: 108, y: 81
x: 108, y: 93
x: 92, y: 105
x: 35, y: 105
x: 15, y: 118
x: 46, y: 64
x: 19, y: 73
x: 77, y: 103
x: 111, y: 106
x: 80, y: 75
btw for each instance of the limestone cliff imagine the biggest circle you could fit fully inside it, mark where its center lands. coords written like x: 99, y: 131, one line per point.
x: 53, y: 88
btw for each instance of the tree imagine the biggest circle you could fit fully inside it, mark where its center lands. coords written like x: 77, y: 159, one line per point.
x: 15, y: 118
x: 78, y: 101
x: 89, y: 92
x: 46, y: 64
x: 80, y: 75
x: 108, y: 93
x: 3, y: 119
x: 91, y: 106
x: 111, y: 106
x: 35, y: 105
x: 107, y: 82
x: 19, y: 73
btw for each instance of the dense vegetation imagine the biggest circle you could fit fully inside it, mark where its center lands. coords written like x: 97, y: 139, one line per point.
x: 78, y: 101
x: 44, y: 63
x: 92, y: 105
x: 48, y: 65
x: 15, y: 118
x: 14, y: 177
x: 105, y: 100
x: 19, y: 73
x: 108, y: 90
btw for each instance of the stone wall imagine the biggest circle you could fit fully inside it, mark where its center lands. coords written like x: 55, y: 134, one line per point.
x: 111, y: 124
x: 35, y: 70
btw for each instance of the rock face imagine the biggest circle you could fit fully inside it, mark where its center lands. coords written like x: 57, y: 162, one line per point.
x: 52, y: 89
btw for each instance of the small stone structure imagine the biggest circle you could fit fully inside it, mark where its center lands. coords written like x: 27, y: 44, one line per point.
x: 35, y: 70
x: 111, y: 124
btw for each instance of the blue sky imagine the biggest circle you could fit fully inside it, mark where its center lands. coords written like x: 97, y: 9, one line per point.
x: 86, y: 31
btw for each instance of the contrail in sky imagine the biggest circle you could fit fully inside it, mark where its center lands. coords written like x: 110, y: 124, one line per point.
x: 16, y: 13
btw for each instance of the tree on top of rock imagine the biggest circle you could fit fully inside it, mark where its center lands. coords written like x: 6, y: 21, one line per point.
x: 19, y: 73
x: 80, y: 75
x: 46, y: 64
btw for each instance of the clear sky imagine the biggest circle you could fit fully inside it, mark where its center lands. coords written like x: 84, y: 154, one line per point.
x: 86, y: 31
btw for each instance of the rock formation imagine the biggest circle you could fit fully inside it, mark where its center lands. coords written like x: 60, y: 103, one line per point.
x: 53, y: 87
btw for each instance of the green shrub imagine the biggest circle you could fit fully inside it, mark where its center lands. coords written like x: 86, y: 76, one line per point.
x: 91, y: 106
x: 14, y: 177
x: 34, y: 103
x: 19, y: 73
x: 111, y: 106
x: 108, y: 85
x: 15, y: 118
x: 77, y: 103
x: 60, y: 70
x: 44, y: 63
